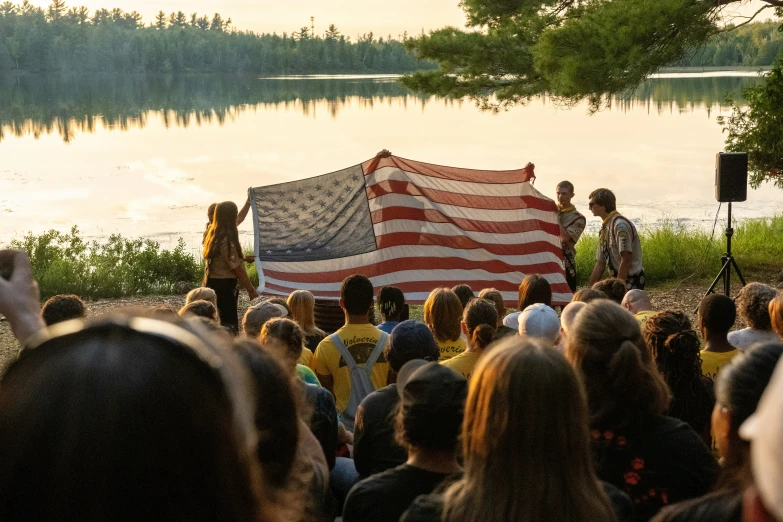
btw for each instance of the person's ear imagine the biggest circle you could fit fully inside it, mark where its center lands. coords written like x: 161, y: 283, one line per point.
x: 342, y: 303
x: 753, y: 509
x: 463, y: 327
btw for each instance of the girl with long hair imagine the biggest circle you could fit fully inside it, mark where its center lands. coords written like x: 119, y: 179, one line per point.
x: 656, y: 459
x: 442, y: 314
x: 739, y: 388
x: 526, y: 445
x: 532, y: 290
x: 479, y: 325
x: 302, y: 306
x: 675, y: 349
x: 224, y: 263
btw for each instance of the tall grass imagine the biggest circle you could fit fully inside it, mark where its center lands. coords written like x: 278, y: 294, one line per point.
x: 673, y: 252
x: 64, y: 263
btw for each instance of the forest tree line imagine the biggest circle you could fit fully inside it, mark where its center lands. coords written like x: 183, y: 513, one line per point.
x: 73, y: 39
x: 757, y: 44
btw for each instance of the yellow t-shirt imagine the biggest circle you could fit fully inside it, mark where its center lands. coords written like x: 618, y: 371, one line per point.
x: 449, y: 349
x: 360, y: 339
x: 712, y: 362
x: 643, y: 316
x: 463, y: 363
x: 306, y: 358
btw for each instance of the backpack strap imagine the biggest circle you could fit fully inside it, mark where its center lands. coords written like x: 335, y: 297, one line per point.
x: 630, y: 226
x: 347, y: 357
x: 377, y: 351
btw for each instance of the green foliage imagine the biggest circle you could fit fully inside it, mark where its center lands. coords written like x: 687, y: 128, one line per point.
x: 65, y: 263
x: 673, y: 251
x: 758, y: 129
x: 69, y: 40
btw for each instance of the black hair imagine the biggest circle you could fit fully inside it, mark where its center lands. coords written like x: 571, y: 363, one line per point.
x: 398, y: 353
x: 111, y: 423
x: 717, y: 313
x: 465, y: 294
x: 430, y: 430
x: 605, y: 198
x: 356, y: 293
x: 62, y: 308
x: 276, y: 414
x: 390, y: 301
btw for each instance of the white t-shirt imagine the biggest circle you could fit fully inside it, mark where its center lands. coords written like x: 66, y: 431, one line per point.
x: 744, y: 339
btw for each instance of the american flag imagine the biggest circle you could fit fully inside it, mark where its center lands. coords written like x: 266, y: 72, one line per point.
x: 409, y: 224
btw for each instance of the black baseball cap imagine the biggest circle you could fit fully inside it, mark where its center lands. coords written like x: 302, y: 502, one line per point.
x: 424, y: 385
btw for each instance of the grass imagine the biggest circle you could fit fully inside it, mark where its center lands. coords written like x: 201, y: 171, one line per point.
x: 673, y: 252
x: 119, y: 267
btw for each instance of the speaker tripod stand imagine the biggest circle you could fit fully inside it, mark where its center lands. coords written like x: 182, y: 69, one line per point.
x: 729, y: 263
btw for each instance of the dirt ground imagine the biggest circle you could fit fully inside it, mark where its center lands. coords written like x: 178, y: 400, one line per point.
x: 685, y: 297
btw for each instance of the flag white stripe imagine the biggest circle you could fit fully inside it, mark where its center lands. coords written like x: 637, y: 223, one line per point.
x: 406, y: 251
x: 448, y: 185
x: 508, y: 297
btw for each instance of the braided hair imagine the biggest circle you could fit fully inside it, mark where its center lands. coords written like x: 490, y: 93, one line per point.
x: 390, y: 301
x: 675, y: 348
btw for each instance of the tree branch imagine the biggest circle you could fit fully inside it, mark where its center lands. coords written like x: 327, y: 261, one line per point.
x: 751, y: 18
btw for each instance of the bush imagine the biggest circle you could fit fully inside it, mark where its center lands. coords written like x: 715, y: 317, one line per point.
x: 63, y: 263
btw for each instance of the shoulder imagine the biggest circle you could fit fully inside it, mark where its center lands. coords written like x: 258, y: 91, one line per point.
x: 426, y: 508
x: 377, y: 486
x: 723, y: 506
x: 621, y: 502
x: 378, y: 398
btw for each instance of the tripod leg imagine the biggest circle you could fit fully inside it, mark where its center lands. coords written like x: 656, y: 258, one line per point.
x: 737, y: 269
x: 721, y: 275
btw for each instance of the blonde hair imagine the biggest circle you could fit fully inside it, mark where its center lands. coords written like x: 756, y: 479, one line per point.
x: 302, y: 306
x: 289, y: 338
x: 606, y: 347
x: 201, y: 294
x: 526, y: 442
x: 442, y: 314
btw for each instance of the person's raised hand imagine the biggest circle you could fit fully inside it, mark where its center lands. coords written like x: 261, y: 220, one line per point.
x: 20, y: 298
x: 250, y: 259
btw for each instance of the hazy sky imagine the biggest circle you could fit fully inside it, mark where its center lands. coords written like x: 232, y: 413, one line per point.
x: 382, y: 17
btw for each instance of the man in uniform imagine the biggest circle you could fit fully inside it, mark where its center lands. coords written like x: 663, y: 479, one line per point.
x: 619, y: 246
x: 572, y: 224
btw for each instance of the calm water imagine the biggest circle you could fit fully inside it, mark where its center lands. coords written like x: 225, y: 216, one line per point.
x: 145, y: 157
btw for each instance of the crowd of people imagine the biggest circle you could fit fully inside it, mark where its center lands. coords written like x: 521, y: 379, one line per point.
x: 606, y: 409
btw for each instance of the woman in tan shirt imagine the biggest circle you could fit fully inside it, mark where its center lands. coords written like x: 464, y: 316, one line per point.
x: 224, y: 263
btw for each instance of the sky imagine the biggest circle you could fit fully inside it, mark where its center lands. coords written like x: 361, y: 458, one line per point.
x: 352, y: 17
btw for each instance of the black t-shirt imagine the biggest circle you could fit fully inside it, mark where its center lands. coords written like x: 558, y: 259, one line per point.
x: 385, y: 497
x: 374, y: 448
x: 658, y: 463
x: 429, y: 508
x: 721, y: 506
x: 312, y: 340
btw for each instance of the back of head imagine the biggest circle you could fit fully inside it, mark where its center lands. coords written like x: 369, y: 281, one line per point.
x: 62, y: 308
x: 442, y: 313
x: 490, y: 294
x: 390, y: 302
x: 526, y: 442
x: 606, y: 347
x: 540, y: 322
x: 411, y: 340
x: 534, y: 289
x: 605, y: 198
x: 126, y: 419
x: 588, y: 295
x: 357, y: 294
x: 465, y: 294
x: 569, y: 314
x: 636, y: 301
x: 257, y: 315
x: 717, y: 314
x: 481, y: 319
x: 201, y: 294
x: 276, y: 413
x: 776, y: 314
x: 613, y: 288
x: 753, y: 305
x: 301, y: 303
x: 200, y: 309
x: 223, y: 227
x: 284, y: 339
x: 675, y: 347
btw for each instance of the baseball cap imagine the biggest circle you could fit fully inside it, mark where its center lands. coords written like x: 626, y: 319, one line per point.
x: 539, y: 321
x: 764, y: 429
x: 264, y: 311
x: 425, y: 385
x: 512, y: 320
x: 411, y: 340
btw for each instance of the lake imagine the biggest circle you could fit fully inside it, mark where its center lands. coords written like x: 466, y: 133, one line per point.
x: 144, y: 157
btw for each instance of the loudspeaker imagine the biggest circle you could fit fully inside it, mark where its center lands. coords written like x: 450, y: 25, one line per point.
x: 731, y: 176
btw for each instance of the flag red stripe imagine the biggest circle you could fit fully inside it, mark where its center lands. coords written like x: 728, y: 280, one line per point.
x: 428, y: 286
x: 407, y: 188
x: 466, y: 243
x: 470, y: 225
x: 413, y: 263
x: 502, y: 177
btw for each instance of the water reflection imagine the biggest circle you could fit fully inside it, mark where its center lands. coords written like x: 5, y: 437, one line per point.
x: 44, y: 104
